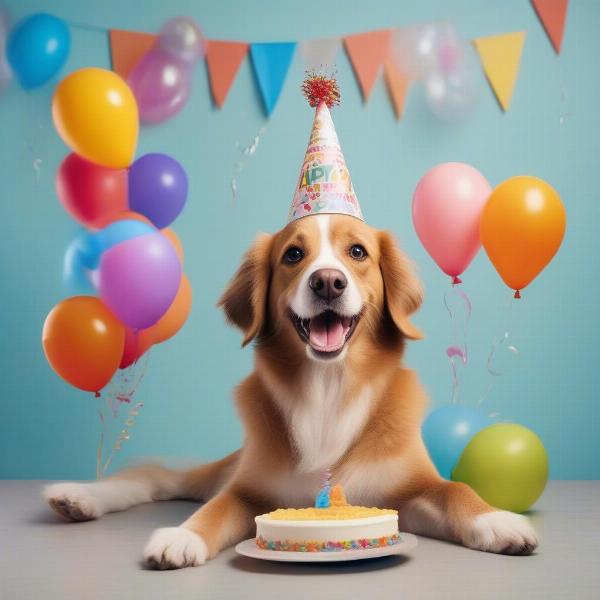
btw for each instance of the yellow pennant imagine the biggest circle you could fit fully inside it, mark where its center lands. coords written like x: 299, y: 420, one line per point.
x: 500, y: 56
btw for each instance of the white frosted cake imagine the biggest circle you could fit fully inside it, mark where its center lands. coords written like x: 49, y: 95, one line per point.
x: 336, y: 527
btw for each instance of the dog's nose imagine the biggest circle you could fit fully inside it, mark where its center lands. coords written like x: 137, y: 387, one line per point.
x: 328, y: 283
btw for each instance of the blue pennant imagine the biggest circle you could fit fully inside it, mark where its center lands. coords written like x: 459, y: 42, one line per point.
x: 271, y: 63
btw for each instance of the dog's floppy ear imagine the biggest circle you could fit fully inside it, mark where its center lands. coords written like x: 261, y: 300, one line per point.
x: 403, y: 292
x: 245, y: 299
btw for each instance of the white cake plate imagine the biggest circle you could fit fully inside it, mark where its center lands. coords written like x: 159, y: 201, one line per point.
x: 249, y: 548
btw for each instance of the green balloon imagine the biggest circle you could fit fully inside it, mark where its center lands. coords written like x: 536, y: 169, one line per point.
x: 506, y: 464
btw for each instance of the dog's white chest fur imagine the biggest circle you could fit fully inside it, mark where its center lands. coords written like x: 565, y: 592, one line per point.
x: 323, y: 421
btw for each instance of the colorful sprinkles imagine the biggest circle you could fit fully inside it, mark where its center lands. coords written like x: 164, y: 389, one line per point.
x: 361, y: 544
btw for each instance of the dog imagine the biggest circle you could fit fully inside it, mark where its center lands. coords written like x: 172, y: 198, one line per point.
x: 327, y: 301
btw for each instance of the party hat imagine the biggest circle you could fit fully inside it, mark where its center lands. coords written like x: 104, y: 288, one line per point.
x: 324, y: 185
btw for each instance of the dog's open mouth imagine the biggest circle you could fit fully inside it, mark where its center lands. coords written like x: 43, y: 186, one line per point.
x: 326, y: 333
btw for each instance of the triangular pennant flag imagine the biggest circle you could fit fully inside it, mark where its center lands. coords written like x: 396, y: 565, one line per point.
x: 223, y: 60
x: 367, y: 51
x: 271, y: 62
x: 127, y: 48
x: 500, y: 56
x: 552, y: 14
x: 397, y: 85
x: 319, y: 54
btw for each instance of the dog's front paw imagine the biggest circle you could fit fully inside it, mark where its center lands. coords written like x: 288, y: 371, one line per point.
x: 502, y: 532
x: 174, y: 548
x: 73, y: 501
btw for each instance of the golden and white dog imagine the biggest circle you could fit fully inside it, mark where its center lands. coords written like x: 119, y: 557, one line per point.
x: 327, y: 301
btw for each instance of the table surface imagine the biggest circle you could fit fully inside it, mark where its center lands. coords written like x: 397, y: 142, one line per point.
x: 43, y: 557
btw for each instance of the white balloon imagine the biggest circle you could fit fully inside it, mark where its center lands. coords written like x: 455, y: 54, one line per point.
x: 182, y: 38
x: 451, y: 97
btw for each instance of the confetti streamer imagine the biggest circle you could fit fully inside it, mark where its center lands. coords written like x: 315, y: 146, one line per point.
x: 246, y: 152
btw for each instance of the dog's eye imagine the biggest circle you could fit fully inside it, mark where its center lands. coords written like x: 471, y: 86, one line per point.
x: 293, y: 255
x: 357, y: 252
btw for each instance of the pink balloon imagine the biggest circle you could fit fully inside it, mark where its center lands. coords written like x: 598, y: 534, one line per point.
x: 161, y: 85
x: 447, y: 207
x: 139, y: 278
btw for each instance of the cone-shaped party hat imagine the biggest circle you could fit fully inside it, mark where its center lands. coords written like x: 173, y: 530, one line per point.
x: 324, y: 185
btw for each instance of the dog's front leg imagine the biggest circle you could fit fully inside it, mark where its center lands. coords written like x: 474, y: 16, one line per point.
x: 454, y: 512
x: 221, y: 522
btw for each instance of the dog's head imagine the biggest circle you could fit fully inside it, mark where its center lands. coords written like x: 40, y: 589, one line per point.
x: 327, y: 284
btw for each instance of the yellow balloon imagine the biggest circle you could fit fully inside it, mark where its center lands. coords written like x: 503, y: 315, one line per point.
x: 96, y: 115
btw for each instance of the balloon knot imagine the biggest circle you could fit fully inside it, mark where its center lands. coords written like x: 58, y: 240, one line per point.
x: 517, y: 295
x: 456, y: 280
x: 96, y: 394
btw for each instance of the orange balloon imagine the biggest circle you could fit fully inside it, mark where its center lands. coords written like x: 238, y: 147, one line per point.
x: 83, y: 342
x: 172, y: 321
x: 174, y: 239
x: 522, y: 227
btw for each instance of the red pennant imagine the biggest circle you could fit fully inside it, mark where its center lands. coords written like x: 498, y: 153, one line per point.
x: 397, y: 85
x: 367, y: 52
x: 127, y: 48
x: 552, y: 14
x: 223, y: 60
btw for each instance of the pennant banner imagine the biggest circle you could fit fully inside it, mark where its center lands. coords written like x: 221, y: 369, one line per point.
x: 367, y: 52
x: 223, y: 60
x: 500, y: 56
x: 319, y: 54
x: 397, y: 85
x: 127, y: 49
x: 553, y: 15
x: 271, y: 62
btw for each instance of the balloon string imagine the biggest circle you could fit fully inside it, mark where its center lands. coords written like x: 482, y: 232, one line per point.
x: 246, y: 152
x: 119, y: 391
x: 457, y: 353
x: 501, y: 342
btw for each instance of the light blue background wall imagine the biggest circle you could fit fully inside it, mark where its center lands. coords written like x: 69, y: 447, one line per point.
x: 49, y: 430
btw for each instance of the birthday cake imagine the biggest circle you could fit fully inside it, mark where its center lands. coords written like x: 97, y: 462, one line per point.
x: 332, y: 525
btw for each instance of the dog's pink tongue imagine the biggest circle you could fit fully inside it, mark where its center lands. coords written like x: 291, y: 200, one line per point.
x: 326, y: 332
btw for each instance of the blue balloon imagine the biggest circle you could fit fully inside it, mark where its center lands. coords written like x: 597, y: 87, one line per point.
x: 37, y: 48
x: 83, y: 254
x: 447, y: 431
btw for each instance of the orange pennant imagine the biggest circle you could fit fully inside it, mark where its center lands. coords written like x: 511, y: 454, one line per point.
x: 397, y: 85
x: 500, y: 56
x: 223, y: 60
x: 127, y: 49
x: 552, y: 14
x: 367, y: 52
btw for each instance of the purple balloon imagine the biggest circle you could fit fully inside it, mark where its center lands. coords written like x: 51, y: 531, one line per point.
x: 161, y: 85
x: 139, y: 279
x: 158, y: 188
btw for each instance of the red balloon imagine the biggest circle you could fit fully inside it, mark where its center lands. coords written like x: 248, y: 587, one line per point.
x: 91, y: 193
x: 135, y: 347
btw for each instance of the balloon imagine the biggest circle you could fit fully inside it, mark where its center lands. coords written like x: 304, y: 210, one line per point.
x: 182, y: 38
x: 37, y: 48
x: 90, y: 193
x: 173, y: 320
x: 76, y: 271
x: 158, y: 188
x: 134, y: 348
x: 126, y: 214
x: 447, y: 206
x: 161, y: 85
x: 96, y: 115
x: 447, y: 431
x: 522, y: 228
x: 139, y: 278
x: 414, y: 50
x: 506, y: 464
x: 83, y: 342
x: 174, y: 239
x: 5, y: 72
